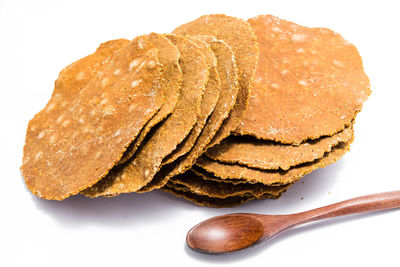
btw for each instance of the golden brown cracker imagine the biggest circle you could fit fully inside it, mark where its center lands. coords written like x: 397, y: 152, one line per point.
x: 208, y: 103
x: 269, y: 155
x: 309, y: 83
x: 199, y: 186
x: 74, y: 142
x: 212, y: 202
x: 168, y: 56
x: 269, y: 177
x: 226, y: 67
x: 141, y: 169
x: 239, y: 35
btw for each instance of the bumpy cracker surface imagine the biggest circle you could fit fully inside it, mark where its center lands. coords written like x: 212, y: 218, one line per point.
x: 208, y: 103
x: 209, y: 188
x: 168, y: 56
x: 139, y: 171
x: 269, y: 155
x: 239, y: 35
x: 227, y: 70
x: 309, y: 83
x: 75, y: 76
x: 212, y: 202
x: 76, y: 140
x: 270, y: 177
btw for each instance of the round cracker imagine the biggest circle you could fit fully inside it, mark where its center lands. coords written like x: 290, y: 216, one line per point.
x: 74, y: 142
x: 208, y: 103
x: 309, y: 83
x: 268, y: 155
x: 141, y: 169
x: 227, y: 70
x: 239, y: 35
x: 270, y: 177
x: 168, y: 56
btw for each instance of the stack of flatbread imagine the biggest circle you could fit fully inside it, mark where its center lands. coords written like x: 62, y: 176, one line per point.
x: 221, y: 111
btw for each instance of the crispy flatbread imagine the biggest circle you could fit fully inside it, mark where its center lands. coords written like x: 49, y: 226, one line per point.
x: 309, y: 83
x: 227, y: 70
x: 76, y: 140
x: 140, y: 170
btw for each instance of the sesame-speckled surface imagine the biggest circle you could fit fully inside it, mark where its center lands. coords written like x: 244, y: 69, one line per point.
x: 141, y: 169
x: 168, y: 56
x: 185, y: 150
x: 78, y: 137
x: 227, y: 70
x: 78, y: 74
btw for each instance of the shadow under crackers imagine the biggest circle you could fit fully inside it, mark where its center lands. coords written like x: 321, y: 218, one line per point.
x: 124, y: 210
x: 128, y: 210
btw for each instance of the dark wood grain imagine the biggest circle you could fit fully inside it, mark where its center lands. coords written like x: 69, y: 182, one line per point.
x: 225, y: 233
x: 233, y: 232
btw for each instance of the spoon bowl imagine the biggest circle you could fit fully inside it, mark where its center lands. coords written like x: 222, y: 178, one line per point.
x: 220, y: 234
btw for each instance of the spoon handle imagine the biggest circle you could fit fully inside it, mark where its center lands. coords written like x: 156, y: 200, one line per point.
x: 381, y: 201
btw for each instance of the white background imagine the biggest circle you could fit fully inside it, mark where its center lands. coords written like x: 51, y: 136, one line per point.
x: 39, y: 38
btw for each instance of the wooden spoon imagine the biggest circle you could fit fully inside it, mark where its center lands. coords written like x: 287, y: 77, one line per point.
x: 233, y: 232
